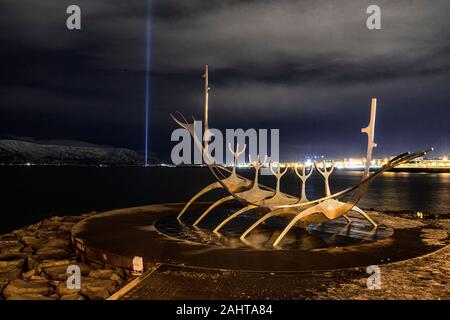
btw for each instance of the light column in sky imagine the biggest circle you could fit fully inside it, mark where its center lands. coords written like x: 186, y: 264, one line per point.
x: 147, y: 77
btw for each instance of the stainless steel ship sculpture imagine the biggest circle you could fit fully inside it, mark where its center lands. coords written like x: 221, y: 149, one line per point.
x: 259, y: 198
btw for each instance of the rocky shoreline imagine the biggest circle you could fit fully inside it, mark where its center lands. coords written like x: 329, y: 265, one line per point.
x: 34, y: 262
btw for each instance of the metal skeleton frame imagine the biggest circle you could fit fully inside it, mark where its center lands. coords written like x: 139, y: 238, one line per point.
x: 253, y: 194
x: 234, y: 182
x: 304, y: 211
x: 277, y: 198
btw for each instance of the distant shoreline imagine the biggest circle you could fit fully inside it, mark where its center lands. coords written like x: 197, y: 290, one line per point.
x: 406, y: 170
x: 409, y: 170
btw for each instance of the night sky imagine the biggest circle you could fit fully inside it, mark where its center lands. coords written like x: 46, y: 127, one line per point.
x: 308, y: 68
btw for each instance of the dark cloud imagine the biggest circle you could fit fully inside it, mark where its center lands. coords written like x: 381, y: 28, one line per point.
x: 306, y: 67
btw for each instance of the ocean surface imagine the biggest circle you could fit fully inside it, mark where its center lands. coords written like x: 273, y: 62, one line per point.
x: 33, y: 193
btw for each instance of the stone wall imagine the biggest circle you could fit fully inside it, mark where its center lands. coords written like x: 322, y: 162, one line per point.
x: 34, y: 262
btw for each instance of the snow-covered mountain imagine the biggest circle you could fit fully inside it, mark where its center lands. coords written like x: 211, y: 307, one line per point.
x: 21, y: 152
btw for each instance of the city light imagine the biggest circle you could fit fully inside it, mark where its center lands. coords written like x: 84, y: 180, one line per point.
x: 359, y: 163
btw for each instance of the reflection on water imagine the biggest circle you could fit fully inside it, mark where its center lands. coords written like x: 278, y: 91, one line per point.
x: 330, y: 234
x: 33, y: 193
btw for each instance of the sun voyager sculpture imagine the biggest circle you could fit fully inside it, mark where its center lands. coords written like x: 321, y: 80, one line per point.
x: 257, y: 198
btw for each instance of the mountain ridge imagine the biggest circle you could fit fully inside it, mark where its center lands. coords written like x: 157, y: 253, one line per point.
x: 22, y: 152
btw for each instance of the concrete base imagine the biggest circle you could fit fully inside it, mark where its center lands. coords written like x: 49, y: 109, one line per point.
x: 116, y: 237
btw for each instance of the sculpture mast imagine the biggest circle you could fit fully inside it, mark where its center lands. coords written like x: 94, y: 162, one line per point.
x: 370, y: 131
x: 205, y: 117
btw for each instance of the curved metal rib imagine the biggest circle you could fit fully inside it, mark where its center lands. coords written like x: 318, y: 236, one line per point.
x: 253, y: 194
x: 304, y: 213
x: 231, y: 217
x: 365, y: 215
x: 261, y: 220
x: 206, y: 189
x: 331, y: 209
x: 216, y: 204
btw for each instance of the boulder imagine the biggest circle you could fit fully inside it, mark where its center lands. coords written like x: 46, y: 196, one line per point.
x: 32, y: 262
x: 9, y: 242
x: 63, y: 235
x: 11, y: 265
x: 19, y: 288
x: 128, y: 273
x: 34, y: 227
x: 29, y: 274
x: 29, y: 297
x: 12, y: 249
x: 96, y: 265
x: 32, y: 241
x: 60, y: 272
x: 51, y: 225
x: 9, y: 276
x: 42, y: 281
x: 73, y: 219
x: 63, y: 290
x: 56, y: 283
x: 12, y: 256
x: 66, y: 227
x: 8, y: 237
x: 28, y: 250
x: 74, y: 296
x: 32, y: 275
x: 44, y: 253
x: 97, y: 289
x: 120, y: 272
x: 43, y: 234
x: 106, y: 275
x: 3, y: 284
x: 85, y: 269
x: 23, y: 232
x: 10, y: 245
x: 53, y: 263
x: 57, y: 273
x: 58, y: 243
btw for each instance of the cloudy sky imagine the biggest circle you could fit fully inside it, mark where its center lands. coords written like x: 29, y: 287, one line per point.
x: 308, y: 68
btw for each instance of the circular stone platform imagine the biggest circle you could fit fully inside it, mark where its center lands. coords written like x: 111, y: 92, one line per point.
x: 153, y: 232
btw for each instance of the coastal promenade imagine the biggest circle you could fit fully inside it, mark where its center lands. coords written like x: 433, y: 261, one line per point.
x: 424, y: 277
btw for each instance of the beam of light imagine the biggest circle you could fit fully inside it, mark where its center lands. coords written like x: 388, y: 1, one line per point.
x: 147, y: 77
